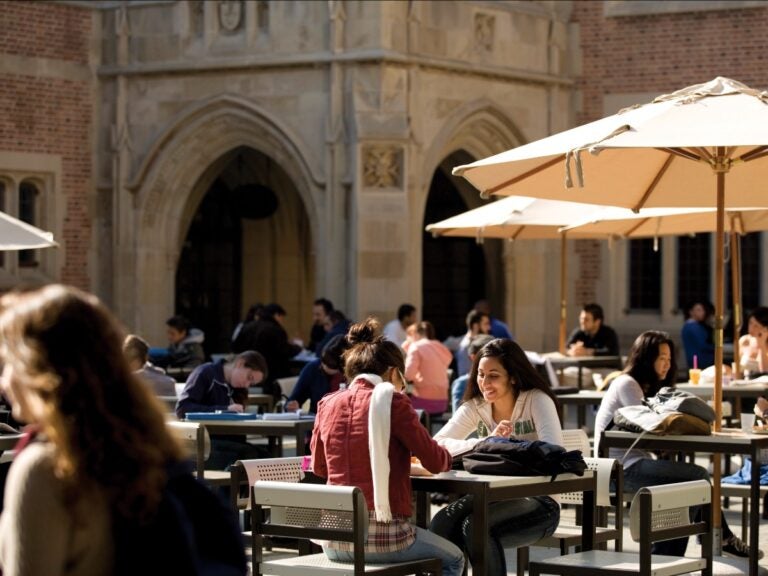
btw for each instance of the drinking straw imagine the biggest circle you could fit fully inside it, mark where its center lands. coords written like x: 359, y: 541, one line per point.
x: 695, y: 362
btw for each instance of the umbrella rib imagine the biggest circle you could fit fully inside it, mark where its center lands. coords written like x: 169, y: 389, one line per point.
x: 517, y: 233
x: 655, y: 182
x: 682, y: 152
x: 632, y: 230
x: 754, y: 154
x: 530, y: 172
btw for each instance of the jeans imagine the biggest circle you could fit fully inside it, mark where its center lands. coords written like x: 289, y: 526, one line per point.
x: 647, y: 472
x: 512, y: 523
x: 426, y: 545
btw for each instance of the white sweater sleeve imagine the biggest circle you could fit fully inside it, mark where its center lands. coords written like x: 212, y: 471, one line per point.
x: 453, y: 435
x: 546, y: 419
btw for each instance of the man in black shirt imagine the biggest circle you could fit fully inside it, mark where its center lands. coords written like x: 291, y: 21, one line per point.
x: 593, y: 338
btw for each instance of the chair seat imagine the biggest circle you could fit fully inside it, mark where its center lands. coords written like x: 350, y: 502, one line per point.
x: 218, y: 477
x: 321, y: 564
x: 571, y: 534
x: 620, y: 562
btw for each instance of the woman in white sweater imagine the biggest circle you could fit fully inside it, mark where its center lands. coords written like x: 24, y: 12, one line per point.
x: 506, y: 397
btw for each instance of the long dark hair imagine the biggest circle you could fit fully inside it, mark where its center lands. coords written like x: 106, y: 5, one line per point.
x: 642, y: 357
x: 369, y: 352
x: 517, y: 365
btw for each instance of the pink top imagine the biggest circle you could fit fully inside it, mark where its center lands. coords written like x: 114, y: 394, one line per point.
x: 426, y: 365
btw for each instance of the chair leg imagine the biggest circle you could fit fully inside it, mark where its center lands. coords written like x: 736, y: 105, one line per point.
x: 745, y: 519
x: 523, y: 555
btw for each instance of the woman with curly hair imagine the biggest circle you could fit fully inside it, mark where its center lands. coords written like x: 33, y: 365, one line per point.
x: 91, y: 481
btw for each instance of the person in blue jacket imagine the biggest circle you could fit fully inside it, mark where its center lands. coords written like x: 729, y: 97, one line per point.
x: 697, y: 335
x: 318, y: 377
x: 224, y: 386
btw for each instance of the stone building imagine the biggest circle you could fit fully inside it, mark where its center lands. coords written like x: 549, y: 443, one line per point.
x: 198, y: 157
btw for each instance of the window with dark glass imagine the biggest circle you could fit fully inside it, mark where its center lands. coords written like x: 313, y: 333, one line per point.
x: 694, y: 270
x: 644, y: 275
x: 28, y: 195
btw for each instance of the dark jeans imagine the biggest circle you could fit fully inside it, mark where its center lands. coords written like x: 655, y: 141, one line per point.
x: 648, y: 472
x: 225, y: 451
x: 511, y: 523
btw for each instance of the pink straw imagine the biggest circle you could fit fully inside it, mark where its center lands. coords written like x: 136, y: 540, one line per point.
x: 695, y: 362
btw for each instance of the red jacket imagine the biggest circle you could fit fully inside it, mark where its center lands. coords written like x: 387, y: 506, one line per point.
x: 340, y: 445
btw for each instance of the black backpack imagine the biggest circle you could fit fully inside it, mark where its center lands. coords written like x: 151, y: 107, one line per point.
x: 194, y: 533
x: 509, y: 457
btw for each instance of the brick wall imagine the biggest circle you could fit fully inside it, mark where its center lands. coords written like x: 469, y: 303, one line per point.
x: 659, y: 54
x: 51, y: 115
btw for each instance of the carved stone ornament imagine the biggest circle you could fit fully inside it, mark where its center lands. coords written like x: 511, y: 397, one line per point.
x: 382, y: 166
x: 484, y: 31
x: 230, y: 14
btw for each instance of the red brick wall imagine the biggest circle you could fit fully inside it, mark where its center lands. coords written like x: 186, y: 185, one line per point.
x: 660, y: 54
x: 50, y: 115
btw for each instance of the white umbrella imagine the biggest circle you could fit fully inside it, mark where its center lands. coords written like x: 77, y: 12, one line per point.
x: 520, y: 218
x: 18, y: 235
x: 674, y: 151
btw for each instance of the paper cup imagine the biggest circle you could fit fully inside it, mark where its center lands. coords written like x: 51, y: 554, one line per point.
x: 694, y: 374
x: 747, y: 421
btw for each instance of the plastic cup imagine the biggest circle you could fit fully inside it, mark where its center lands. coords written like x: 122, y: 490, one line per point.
x: 747, y: 420
x: 694, y: 374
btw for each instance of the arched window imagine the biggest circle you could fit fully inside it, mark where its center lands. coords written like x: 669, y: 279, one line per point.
x: 28, y: 212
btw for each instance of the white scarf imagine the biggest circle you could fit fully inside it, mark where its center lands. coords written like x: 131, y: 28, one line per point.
x: 379, y: 426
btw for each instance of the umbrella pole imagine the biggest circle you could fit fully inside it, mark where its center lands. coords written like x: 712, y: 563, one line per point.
x: 736, y: 289
x: 718, y: 391
x: 563, y: 302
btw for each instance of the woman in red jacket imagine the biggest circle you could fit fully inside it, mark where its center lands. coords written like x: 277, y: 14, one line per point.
x: 364, y: 436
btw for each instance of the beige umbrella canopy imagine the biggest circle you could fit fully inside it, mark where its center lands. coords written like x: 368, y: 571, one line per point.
x: 520, y: 218
x: 18, y: 235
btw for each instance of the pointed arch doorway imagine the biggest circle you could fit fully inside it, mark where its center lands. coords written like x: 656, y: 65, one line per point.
x: 456, y: 272
x: 248, y: 242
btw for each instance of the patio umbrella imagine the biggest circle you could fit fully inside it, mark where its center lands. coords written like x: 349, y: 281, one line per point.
x: 655, y: 222
x: 674, y: 151
x: 18, y: 235
x: 520, y: 218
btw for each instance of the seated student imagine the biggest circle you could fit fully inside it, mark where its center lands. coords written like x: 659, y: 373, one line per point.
x: 185, y: 344
x: 651, y: 366
x: 224, y: 385
x: 394, y: 330
x: 459, y: 385
x: 505, y: 397
x: 426, y: 365
x: 319, y: 377
x: 364, y: 436
x: 753, y: 346
x: 592, y: 337
x: 697, y: 335
x: 136, y: 352
x: 477, y: 323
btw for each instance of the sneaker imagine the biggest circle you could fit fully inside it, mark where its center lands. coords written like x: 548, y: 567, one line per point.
x: 735, y: 546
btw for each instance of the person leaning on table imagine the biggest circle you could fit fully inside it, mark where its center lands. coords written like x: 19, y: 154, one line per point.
x: 364, y: 436
x: 651, y: 366
x: 506, y: 397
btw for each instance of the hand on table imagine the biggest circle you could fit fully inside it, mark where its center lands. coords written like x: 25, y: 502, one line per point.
x: 235, y: 407
x: 291, y: 406
x: 503, y: 429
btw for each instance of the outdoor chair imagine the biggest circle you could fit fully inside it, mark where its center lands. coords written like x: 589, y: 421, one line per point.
x: 197, y: 442
x: 567, y: 535
x: 321, y: 512
x: 658, y: 513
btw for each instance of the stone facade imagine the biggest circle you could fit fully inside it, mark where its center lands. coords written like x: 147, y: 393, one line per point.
x: 128, y: 114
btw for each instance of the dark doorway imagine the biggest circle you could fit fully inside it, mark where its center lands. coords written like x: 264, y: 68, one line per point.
x: 208, y: 279
x: 454, y: 276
